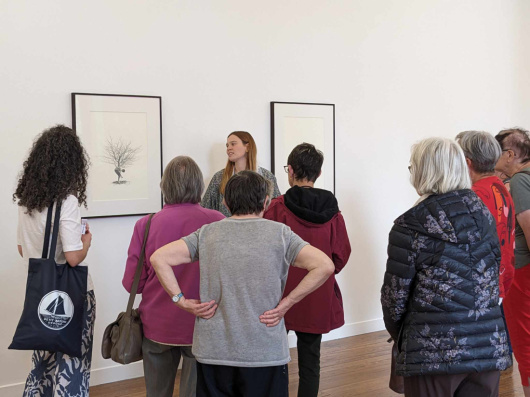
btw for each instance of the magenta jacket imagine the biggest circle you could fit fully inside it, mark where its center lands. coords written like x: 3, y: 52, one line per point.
x: 162, y: 321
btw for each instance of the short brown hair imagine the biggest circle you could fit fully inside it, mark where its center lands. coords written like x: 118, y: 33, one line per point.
x: 182, y: 181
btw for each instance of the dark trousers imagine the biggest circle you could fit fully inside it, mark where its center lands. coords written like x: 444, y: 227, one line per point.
x: 160, y: 369
x: 225, y: 381
x: 308, y: 346
x: 481, y: 384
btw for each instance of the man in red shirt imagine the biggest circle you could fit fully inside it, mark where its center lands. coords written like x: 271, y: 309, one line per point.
x: 482, y: 152
x: 314, y: 215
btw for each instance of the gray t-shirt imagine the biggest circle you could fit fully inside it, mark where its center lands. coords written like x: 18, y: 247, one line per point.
x: 520, y: 191
x: 243, y: 267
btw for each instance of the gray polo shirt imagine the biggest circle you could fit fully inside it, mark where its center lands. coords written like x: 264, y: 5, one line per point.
x: 243, y: 267
x: 520, y: 191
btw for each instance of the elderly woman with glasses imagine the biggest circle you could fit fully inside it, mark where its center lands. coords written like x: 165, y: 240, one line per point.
x: 440, y: 295
x: 168, y: 330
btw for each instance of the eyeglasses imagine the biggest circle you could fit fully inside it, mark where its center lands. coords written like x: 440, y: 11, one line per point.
x: 410, y: 169
x: 506, y: 150
x: 286, y: 168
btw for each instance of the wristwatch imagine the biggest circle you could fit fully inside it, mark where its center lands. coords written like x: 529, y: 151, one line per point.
x: 176, y: 298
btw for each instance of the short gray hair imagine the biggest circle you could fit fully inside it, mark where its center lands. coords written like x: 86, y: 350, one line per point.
x: 438, y: 166
x: 481, y: 148
x: 182, y: 181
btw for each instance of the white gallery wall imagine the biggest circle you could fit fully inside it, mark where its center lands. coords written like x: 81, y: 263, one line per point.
x: 397, y: 71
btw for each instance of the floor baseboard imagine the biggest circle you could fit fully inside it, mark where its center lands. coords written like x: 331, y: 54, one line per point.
x: 119, y: 372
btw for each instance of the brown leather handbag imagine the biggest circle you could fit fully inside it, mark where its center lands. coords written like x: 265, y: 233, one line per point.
x: 122, y: 339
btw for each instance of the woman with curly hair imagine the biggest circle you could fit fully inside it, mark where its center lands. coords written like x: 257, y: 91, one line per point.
x: 56, y: 172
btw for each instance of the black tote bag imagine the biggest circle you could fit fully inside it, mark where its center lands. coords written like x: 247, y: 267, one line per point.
x: 52, y: 318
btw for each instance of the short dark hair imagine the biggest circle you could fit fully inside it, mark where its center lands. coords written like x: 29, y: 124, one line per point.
x: 516, y: 139
x: 246, y: 192
x: 306, y: 161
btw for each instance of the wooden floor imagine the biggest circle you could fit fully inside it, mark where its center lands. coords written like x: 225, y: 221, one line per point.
x: 355, y: 366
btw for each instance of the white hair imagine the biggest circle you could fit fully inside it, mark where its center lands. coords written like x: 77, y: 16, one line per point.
x: 438, y: 166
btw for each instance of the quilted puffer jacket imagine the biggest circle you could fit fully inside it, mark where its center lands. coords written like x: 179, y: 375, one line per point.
x: 440, y: 295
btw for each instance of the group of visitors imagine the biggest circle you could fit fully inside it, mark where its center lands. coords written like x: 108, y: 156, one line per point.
x: 228, y: 274
x: 455, y: 296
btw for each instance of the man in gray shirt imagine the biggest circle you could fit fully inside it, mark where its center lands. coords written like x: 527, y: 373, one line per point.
x: 240, y: 340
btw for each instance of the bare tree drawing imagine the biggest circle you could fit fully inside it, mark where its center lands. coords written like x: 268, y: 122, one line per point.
x: 120, y: 154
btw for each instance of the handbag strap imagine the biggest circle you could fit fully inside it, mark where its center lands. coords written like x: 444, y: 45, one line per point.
x: 139, y: 267
x: 55, y: 232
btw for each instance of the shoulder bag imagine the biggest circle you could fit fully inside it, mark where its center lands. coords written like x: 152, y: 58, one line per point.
x: 122, y: 339
x: 52, y: 318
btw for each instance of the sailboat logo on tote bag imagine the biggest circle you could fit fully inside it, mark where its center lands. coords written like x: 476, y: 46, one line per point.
x: 56, y: 310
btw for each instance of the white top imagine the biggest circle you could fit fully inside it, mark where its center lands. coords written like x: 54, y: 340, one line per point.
x: 30, y: 232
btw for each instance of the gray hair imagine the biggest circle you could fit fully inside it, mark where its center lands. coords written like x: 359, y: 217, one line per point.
x: 438, y: 166
x: 481, y: 148
x: 182, y: 181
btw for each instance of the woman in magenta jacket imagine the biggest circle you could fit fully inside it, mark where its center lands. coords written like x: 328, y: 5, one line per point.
x: 168, y: 330
x: 314, y: 215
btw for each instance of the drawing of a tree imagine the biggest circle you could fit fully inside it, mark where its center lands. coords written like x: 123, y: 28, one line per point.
x: 120, y: 154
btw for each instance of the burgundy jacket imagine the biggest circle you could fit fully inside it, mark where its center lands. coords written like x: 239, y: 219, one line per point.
x: 314, y: 215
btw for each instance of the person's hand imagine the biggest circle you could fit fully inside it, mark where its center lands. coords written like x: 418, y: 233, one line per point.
x: 86, y: 238
x: 273, y: 317
x: 204, y: 310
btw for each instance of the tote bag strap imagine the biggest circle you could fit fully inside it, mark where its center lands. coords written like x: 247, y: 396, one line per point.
x: 139, y: 267
x: 55, y: 233
x: 47, y: 232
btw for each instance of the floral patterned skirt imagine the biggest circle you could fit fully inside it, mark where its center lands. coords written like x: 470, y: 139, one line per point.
x: 59, y: 375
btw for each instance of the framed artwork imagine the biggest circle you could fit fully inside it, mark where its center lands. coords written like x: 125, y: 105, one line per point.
x: 122, y: 135
x: 293, y: 123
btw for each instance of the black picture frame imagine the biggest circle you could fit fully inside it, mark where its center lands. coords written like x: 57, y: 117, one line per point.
x: 82, y: 103
x: 302, y: 110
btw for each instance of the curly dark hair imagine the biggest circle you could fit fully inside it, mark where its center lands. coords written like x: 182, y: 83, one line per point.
x: 56, y: 167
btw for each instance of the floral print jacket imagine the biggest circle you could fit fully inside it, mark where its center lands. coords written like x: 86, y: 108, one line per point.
x: 440, y: 295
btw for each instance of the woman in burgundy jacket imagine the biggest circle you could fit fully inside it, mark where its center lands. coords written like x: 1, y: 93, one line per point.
x: 314, y: 215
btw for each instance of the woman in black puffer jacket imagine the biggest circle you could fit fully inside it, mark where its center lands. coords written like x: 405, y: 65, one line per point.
x: 440, y: 295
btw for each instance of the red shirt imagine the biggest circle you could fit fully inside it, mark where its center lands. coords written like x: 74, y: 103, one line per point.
x: 498, y: 200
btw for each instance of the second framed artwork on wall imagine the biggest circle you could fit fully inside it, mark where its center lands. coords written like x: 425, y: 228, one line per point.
x: 122, y: 135
x: 293, y: 123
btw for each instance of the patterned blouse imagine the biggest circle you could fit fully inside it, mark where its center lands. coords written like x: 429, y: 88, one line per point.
x: 213, y: 199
